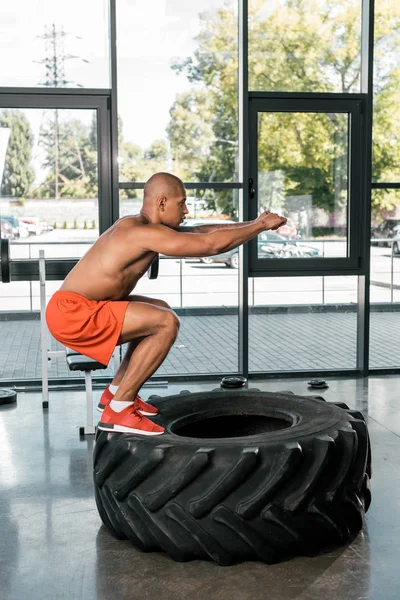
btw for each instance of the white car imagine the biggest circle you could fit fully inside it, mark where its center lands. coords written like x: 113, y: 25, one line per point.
x: 33, y: 225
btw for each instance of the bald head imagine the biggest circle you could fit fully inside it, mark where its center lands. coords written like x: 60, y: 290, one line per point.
x: 162, y: 184
x: 164, y: 200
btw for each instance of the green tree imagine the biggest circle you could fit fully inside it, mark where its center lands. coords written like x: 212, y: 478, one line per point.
x: 190, y: 133
x: 296, y: 46
x: 70, y: 158
x: 18, y: 173
x: 207, y: 141
x: 138, y: 165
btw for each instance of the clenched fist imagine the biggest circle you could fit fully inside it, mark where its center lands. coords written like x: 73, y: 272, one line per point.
x: 271, y: 220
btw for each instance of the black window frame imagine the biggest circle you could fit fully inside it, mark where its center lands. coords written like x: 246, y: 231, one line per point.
x: 354, y: 106
x: 69, y: 99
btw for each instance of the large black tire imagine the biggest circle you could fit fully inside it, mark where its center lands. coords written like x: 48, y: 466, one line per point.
x: 238, y: 475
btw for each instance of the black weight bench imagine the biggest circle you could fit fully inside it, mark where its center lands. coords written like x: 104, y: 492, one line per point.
x: 79, y: 362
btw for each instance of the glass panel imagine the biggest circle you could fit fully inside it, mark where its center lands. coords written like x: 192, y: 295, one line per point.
x: 303, y: 174
x: 202, y: 204
x: 386, y: 121
x: 54, y: 44
x: 205, y: 296
x: 49, y: 181
x: 302, y: 323
x: 305, y: 45
x: 385, y: 279
x: 20, y: 339
x: 178, y: 100
x: 203, y: 291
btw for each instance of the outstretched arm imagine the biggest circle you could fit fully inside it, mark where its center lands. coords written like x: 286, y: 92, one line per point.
x: 161, y: 239
x: 211, y: 227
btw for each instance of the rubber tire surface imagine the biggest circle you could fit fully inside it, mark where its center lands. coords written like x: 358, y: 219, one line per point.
x: 268, y: 496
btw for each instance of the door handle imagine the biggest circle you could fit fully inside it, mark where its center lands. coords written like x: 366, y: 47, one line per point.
x: 252, y: 189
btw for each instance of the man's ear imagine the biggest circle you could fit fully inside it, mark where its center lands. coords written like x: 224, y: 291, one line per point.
x: 162, y: 201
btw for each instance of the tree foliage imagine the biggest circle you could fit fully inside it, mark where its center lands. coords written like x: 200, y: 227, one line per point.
x: 18, y: 174
x: 294, y: 46
x: 69, y: 158
x: 137, y: 164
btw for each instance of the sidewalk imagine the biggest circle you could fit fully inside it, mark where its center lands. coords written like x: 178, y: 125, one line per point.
x: 209, y: 344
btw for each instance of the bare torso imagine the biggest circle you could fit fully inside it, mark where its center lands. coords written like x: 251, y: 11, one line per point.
x: 111, y: 268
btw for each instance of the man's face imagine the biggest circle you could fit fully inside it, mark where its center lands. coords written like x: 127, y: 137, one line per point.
x: 175, y: 208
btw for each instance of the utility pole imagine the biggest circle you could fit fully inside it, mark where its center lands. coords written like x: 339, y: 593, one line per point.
x: 54, y: 63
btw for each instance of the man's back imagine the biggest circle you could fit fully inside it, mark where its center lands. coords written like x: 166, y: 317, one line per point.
x: 113, y: 265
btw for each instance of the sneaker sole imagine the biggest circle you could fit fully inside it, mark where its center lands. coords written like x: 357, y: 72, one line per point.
x: 100, y: 408
x: 122, y: 429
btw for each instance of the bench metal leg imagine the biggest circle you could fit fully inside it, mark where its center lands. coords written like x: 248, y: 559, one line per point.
x: 43, y: 330
x: 89, y: 428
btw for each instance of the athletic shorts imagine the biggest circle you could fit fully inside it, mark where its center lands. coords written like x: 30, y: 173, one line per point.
x: 89, y: 327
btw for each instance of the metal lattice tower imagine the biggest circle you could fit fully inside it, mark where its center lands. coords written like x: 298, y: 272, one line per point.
x: 55, y: 58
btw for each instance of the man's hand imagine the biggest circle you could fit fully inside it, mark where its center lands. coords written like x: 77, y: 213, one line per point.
x: 271, y: 220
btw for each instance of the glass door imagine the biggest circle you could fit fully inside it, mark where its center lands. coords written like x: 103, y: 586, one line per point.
x: 55, y: 183
x: 305, y: 163
x: 55, y: 196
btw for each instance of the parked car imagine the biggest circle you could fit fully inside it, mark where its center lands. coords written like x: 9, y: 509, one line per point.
x: 19, y: 228
x: 270, y: 245
x: 6, y: 229
x: 34, y: 226
x: 389, y: 228
x: 396, y: 242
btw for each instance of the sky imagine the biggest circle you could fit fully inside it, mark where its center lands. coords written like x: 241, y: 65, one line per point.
x: 150, y: 34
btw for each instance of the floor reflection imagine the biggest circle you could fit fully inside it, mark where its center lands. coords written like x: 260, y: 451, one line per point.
x: 53, y: 545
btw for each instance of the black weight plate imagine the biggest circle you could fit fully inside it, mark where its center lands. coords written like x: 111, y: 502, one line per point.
x: 318, y: 384
x: 5, y: 261
x: 233, y: 381
x: 8, y: 397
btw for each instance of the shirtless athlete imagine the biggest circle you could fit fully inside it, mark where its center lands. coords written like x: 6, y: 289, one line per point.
x: 93, y: 311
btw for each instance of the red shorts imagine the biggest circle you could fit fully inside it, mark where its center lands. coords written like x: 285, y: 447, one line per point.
x: 90, y: 327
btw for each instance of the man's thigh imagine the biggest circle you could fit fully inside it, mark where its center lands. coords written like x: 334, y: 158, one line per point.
x: 143, y: 319
x: 153, y: 301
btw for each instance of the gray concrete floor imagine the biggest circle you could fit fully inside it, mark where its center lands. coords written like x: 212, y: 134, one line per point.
x: 53, y: 545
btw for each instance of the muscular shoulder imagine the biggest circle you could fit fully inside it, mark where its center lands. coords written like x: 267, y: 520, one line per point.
x: 131, y: 236
x: 135, y: 227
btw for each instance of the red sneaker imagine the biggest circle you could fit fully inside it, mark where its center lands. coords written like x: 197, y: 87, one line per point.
x: 143, y: 407
x: 105, y: 399
x: 128, y: 420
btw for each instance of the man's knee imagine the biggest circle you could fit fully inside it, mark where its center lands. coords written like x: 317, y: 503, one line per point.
x: 172, y: 321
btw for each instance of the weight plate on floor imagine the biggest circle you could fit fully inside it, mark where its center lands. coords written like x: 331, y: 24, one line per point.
x: 5, y: 261
x: 233, y: 381
x: 318, y: 384
x: 8, y: 397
